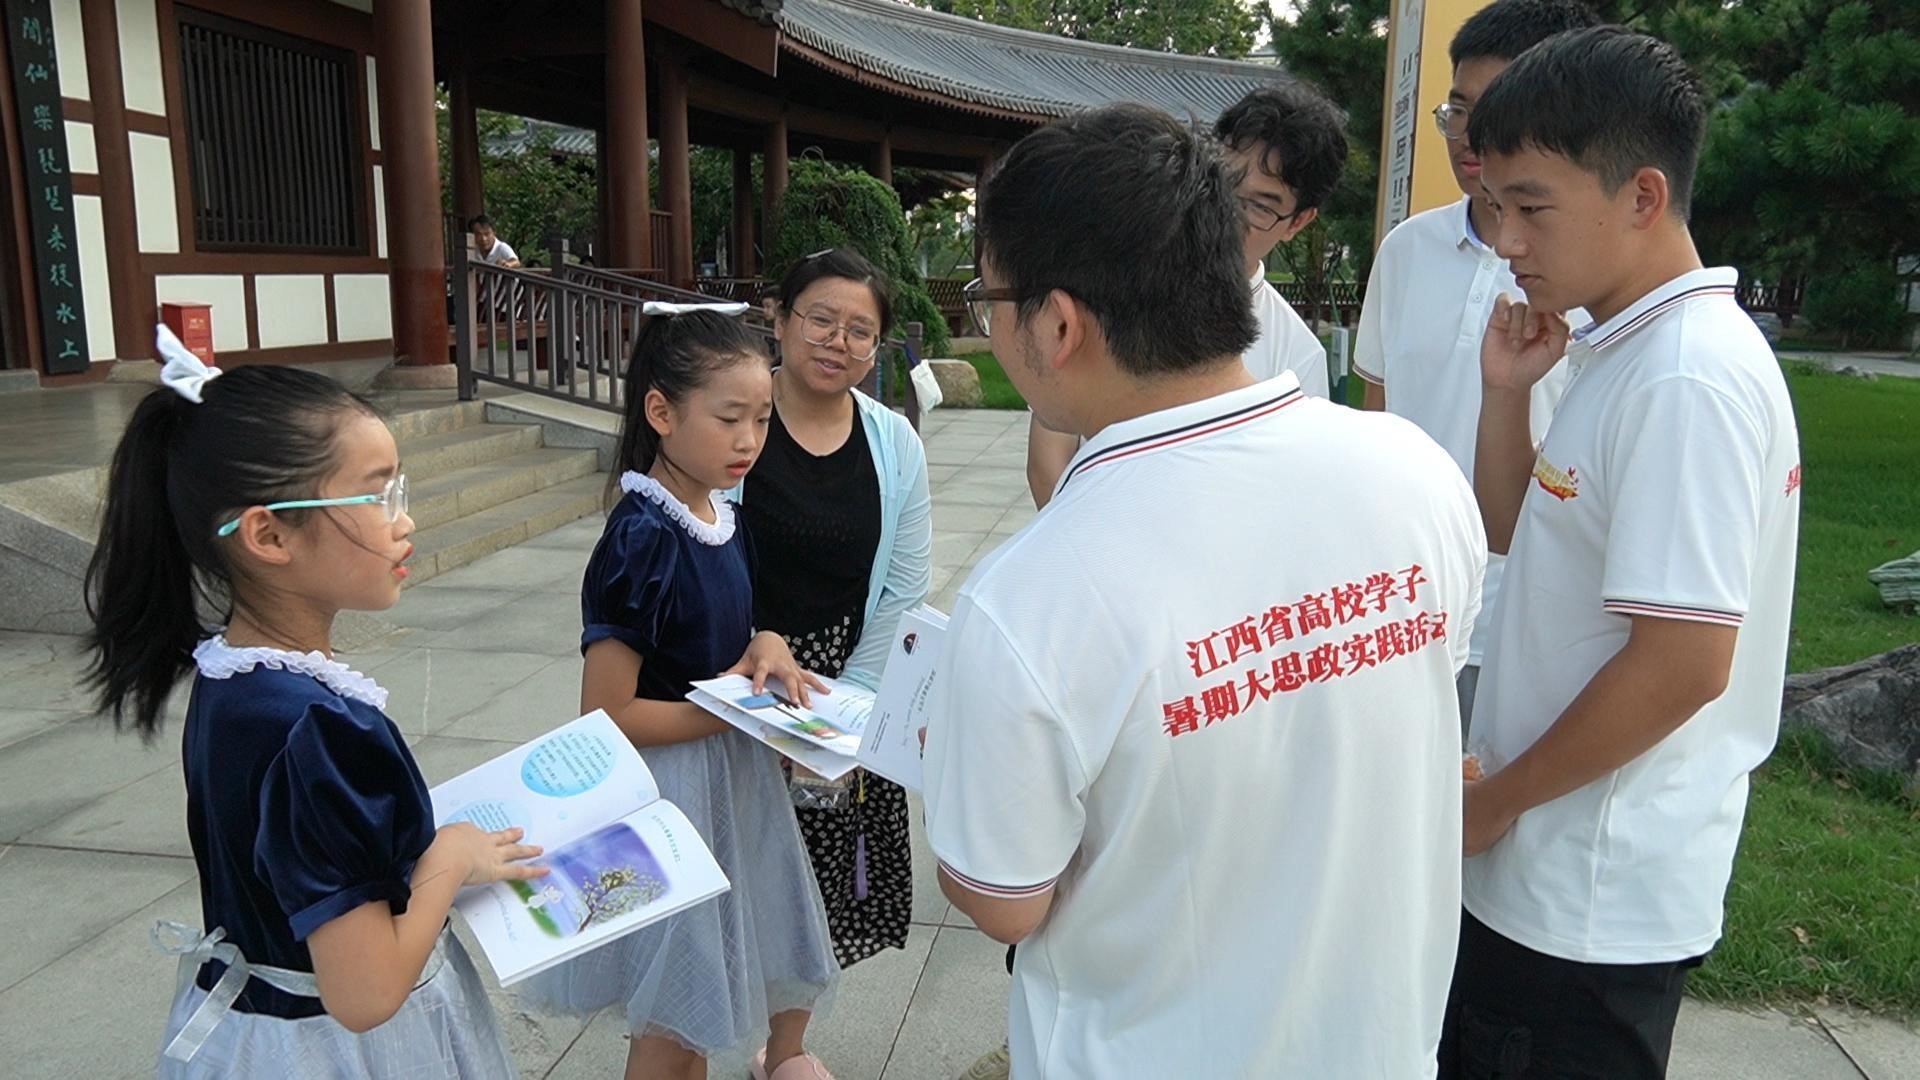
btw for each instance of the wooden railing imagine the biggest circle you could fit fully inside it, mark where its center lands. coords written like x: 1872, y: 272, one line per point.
x: 564, y: 331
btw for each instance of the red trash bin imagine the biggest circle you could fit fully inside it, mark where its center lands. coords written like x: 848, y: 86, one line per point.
x: 193, y: 324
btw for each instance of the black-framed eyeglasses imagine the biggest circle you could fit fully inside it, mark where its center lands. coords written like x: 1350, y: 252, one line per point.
x: 1264, y: 217
x: 980, y: 301
x: 1451, y: 119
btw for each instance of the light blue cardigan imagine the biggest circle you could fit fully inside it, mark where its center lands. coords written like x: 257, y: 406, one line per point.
x: 903, y: 564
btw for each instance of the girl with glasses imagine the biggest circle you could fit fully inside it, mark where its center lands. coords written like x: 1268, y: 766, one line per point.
x: 265, y: 501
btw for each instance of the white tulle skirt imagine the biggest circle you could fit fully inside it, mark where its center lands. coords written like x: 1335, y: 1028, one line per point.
x: 711, y: 976
x: 446, y: 1029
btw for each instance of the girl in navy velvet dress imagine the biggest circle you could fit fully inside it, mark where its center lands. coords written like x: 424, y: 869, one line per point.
x: 668, y: 599
x: 274, y: 498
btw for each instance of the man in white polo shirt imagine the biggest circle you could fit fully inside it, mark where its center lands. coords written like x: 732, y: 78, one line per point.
x: 1195, y: 743
x: 1436, y: 277
x: 1289, y: 145
x: 1636, y: 665
x: 487, y: 245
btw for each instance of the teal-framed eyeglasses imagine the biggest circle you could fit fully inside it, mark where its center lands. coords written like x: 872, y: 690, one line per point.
x: 392, y: 499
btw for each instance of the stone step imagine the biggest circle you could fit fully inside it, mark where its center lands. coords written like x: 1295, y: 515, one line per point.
x: 467, y: 491
x: 410, y: 424
x: 430, y: 456
x: 459, y: 542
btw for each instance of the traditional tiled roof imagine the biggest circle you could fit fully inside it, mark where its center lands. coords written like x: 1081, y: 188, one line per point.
x: 1015, y: 71
x: 763, y: 10
x: 572, y: 141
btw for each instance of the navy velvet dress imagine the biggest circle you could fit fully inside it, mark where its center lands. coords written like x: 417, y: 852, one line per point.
x: 304, y: 803
x: 678, y: 591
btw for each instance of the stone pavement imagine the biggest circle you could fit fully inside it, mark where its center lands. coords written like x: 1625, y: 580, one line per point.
x: 93, y: 845
x: 1898, y: 365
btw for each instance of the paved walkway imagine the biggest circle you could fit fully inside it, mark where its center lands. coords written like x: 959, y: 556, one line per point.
x: 93, y: 846
x: 1898, y: 365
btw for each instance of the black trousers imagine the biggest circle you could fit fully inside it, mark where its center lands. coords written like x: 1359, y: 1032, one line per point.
x: 1516, y: 1014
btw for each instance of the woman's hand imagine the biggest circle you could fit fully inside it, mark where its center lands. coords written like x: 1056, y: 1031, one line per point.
x: 488, y: 857
x: 767, y: 657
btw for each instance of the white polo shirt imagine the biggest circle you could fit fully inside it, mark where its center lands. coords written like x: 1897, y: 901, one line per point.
x: 1669, y: 486
x: 1428, y: 300
x: 1286, y: 342
x: 499, y: 254
x: 1209, y: 696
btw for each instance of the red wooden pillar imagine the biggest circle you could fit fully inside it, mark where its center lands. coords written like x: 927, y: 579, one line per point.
x: 403, y: 33
x: 676, y: 168
x: 469, y: 192
x: 773, y: 180
x: 880, y: 159
x: 743, y: 258
x: 629, y: 225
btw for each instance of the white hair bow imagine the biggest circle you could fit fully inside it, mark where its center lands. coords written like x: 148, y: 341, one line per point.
x: 183, y: 372
x: 656, y: 307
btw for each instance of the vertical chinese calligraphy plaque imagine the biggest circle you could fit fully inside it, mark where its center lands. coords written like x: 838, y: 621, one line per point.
x: 49, y: 186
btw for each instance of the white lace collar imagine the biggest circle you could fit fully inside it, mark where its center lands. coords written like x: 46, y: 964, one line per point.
x: 712, y: 535
x: 219, y: 660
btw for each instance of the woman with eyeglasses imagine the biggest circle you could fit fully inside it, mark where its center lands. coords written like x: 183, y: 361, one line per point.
x: 840, y: 516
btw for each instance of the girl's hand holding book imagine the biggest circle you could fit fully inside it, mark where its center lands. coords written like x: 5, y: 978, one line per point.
x: 489, y: 856
x: 767, y: 657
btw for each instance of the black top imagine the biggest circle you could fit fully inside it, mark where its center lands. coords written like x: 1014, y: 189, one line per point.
x: 815, y: 523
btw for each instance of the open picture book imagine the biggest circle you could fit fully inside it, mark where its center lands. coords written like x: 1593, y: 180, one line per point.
x: 823, y: 736
x: 618, y: 856
x: 848, y: 727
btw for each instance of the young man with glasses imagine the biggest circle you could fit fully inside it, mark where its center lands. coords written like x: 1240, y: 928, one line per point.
x: 1201, y: 761
x: 1289, y: 145
x: 1436, y: 277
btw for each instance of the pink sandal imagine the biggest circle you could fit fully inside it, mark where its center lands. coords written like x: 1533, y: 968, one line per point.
x: 803, y: 1067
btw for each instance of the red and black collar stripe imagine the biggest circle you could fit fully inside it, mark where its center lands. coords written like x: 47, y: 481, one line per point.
x: 1198, y: 429
x: 1658, y: 309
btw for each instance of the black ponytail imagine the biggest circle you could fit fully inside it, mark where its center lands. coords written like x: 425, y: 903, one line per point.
x: 262, y: 434
x: 676, y: 355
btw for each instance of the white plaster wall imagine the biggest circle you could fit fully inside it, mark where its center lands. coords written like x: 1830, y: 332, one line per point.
x: 82, y: 155
x: 290, y: 309
x: 140, y: 56
x: 155, y: 214
x: 373, y: 103
x: 379, y: 212
x: 362, y: 306
x: 70, y: 50
x: 226, y: 292
x: 96, y: 288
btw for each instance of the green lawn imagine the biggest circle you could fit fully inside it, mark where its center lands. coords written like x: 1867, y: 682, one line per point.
x: 1825, y: 901
x: 996, y: 389
x: 1860, y: 443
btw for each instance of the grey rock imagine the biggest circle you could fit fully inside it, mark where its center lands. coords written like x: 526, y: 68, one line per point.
x: 1869, y: 712
x: 1899, y: 583
x: 1853, y: 372
x: 1769, y: 325
x: 959, y: 384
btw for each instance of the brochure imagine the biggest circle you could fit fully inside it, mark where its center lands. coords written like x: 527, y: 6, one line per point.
x: 619, y: 856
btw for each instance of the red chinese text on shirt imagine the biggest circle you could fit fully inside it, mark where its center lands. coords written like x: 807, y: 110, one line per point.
x: 1333, y: 609
x: 1287, y: 673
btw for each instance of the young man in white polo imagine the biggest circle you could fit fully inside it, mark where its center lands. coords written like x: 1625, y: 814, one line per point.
x: 1195, y: 745
x: 487, y: 245
x: 1289, y: 145
x: 1635, y: 671
x: 1436, y: 277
